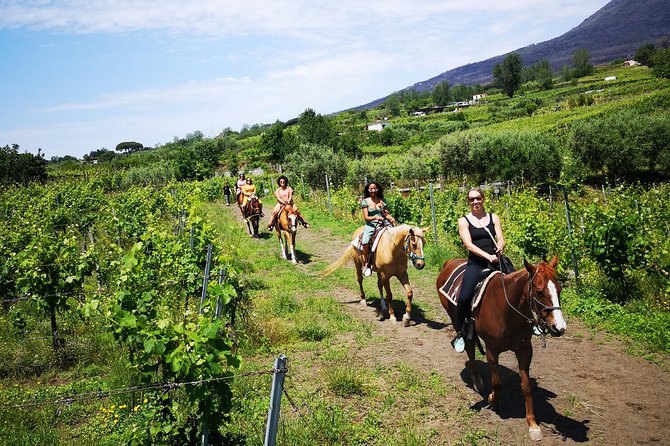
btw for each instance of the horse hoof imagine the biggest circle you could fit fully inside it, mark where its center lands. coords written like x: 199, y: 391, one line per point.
x: 535, y: 434
x: 405, y: 320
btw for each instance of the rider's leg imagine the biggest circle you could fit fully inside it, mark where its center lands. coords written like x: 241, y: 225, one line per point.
x: 367, y: 269
x: 301, y: 219
x: 272, y: 220
x: 463, y: 307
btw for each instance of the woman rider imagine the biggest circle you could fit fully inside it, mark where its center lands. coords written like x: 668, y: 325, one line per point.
x: 241, y: 181
x: 374, y: 213
x: 284, y: 196
x: 247, y: 191
x: 477, y: 230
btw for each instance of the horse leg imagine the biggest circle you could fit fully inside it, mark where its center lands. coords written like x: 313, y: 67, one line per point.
x: 404, y: 280
x: 280, y: 236
x: 291, y: 242
x: 524, y: 357
x: 359, y: 277
x: 496, y: 383
x: 386, y: 303
x: 477, y: 382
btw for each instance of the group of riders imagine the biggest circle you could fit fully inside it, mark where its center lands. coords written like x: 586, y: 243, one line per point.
x: 479, y: 230
x: 245, y: 190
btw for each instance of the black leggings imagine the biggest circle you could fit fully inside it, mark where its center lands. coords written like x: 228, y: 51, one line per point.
x: 471, y: 277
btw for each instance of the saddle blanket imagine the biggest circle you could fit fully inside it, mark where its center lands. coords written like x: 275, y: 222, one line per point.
x: 452, y: 285
x: 358, y: 244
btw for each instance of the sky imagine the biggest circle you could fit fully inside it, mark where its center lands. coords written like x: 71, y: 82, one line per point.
x: 82, y: 75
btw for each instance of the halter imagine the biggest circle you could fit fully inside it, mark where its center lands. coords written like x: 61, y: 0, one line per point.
x: 409, y: 253
x: 540, y: 326
x: 533, y: 304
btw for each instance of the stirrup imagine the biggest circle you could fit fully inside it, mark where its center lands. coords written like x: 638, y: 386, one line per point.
x: 270, y: 228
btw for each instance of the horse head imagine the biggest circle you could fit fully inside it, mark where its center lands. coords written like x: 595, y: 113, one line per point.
x: 255, y: 205
x: 414, y: 241
x: 544, y: 291
x: 292, y: 218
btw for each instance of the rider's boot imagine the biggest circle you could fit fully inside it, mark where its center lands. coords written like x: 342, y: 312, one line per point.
x: 272, y: 223
x: 463, y: 323
x: 302, y: 220
x: 367, y: 260
x: 365, y: 252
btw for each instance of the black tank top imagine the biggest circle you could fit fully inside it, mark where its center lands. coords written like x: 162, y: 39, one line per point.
x: 481, y: 238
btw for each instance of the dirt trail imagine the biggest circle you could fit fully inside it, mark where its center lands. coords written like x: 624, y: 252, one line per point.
x: 586, y: 388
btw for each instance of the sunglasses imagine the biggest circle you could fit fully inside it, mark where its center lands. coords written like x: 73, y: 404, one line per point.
x: 473, y: 199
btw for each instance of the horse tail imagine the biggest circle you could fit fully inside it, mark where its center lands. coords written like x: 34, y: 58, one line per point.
x: 347, y: 257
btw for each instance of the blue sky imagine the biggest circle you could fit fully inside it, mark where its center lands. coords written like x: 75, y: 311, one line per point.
x: 80, y: 75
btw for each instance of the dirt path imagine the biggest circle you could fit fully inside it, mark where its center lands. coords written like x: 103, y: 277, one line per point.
x: 586, y: 388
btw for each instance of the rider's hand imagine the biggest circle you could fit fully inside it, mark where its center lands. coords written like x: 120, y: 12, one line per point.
x: 493, y: 258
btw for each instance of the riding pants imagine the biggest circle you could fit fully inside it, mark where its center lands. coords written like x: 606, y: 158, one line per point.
x: 471, y: 277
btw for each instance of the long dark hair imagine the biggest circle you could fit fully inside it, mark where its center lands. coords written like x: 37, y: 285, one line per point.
x: 380, y: 191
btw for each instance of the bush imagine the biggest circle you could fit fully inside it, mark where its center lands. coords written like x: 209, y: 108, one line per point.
x: 503, y: 156
x: 314, y: 161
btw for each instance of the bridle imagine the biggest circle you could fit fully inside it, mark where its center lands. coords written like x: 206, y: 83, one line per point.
x: 540, y: 326
x: 408, y: 250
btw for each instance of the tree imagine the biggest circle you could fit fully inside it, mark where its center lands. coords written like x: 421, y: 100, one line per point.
x: 581, y: 63
x: 21, y: 168
x: 316, y: 129
x: 441, y: 93
x: 392, y: 104
x: 129, y: 147
x: 507, y: 75
x: 541, y: 72
x: 645, y: 53
x: 314, y: 162
x: 661, y: 63
x: 278, y: 142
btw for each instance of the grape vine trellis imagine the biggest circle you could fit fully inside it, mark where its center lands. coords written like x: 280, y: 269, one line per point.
x: 64, y: 240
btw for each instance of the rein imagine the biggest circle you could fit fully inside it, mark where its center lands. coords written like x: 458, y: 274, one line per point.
x: 539, y: 324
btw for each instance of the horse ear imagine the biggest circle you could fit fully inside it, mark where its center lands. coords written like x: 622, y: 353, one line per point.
x: 529, y: 267
x: 554, y: 261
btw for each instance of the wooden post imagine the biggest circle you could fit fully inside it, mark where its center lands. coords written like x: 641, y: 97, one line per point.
x: 275, y: 400
x: 330, y: 208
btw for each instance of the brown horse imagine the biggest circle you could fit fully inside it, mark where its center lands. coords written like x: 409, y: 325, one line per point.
x: 511, y: 308
x: 394, y: 247
x: 252, y: 213
x: 287, y: 228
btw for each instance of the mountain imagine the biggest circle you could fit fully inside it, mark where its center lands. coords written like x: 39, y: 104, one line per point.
x: 615, y: 31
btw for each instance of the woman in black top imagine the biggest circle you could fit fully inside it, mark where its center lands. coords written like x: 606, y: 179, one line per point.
x: 477, y: 230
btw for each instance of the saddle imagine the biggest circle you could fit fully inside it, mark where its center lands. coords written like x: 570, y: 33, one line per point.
x: 357, y: 242
x: 452, y: 285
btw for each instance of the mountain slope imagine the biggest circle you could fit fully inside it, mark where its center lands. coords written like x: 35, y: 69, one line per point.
x: 617, y: 30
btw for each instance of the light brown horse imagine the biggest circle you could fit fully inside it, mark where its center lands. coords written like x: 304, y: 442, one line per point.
x: 287, y: 228
x: 395, y: 246
x: 510, y: 309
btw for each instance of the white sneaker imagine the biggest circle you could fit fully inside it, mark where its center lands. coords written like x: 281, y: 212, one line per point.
x: 367, y: 272
x: 458, y: 344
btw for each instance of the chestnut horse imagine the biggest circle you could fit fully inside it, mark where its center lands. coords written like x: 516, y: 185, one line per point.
x: 511, y: 308
x: 394, y: 247
x: 287, y: 228
x: 252, y: 213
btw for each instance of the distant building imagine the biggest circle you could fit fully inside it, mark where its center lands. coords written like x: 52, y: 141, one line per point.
x: 631, y: 63
x: 477, y: 97
x: 377, y: 126
x: 610, y: 78
x: 419, y: 113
